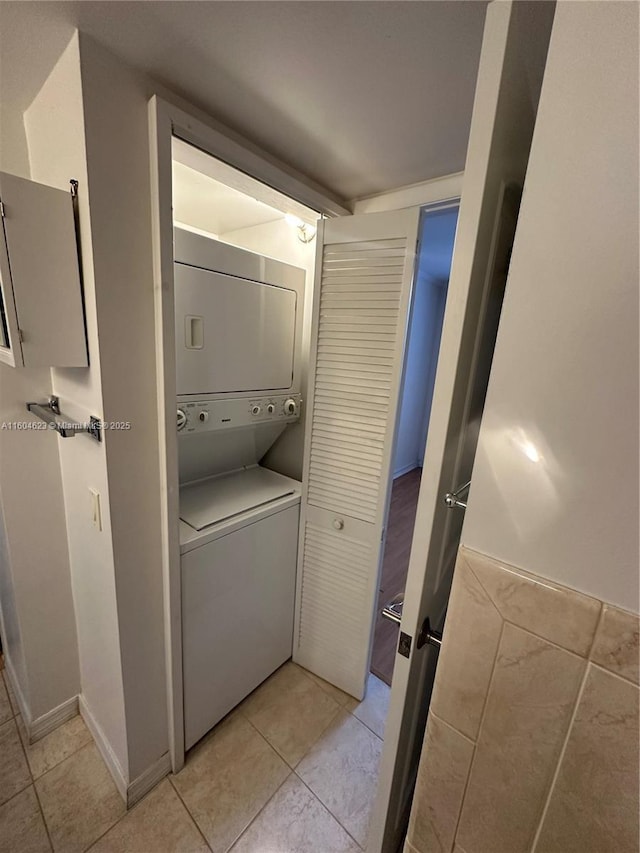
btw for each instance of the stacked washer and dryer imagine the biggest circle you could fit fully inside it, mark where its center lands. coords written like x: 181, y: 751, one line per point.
x: 239, y: 320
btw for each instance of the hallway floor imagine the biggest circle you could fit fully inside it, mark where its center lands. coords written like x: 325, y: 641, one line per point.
x: 395, y: 565
x: 293, y: 769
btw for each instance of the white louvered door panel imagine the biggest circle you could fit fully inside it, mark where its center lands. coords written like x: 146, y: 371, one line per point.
x: 364, y: 276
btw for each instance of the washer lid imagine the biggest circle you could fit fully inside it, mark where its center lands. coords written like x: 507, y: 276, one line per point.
x: 218, y: 498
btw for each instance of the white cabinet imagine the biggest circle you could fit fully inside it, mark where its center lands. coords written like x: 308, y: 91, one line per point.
x: 237, y: 615
x: 41, y: 310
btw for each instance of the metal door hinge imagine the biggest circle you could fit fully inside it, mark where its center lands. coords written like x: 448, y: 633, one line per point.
x: 1, y: 209
x: 21, y: 336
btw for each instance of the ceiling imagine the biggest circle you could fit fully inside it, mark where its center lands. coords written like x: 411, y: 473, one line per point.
x: 361, y: 96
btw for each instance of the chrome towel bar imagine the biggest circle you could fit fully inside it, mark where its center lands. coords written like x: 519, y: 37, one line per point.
x: 49, y: 412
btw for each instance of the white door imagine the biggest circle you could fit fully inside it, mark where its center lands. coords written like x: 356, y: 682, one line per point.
x: 365, y: 268
x: 512, y: 59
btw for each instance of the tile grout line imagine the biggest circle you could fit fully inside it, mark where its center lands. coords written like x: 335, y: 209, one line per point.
x: 475, y: 745
x: 561, y: 754
x: 362, y: 723
x: 326, y: 807
x: 344, y: 707
x: 452, y: 727
x: 33, y: 785
x: 293, y: 769
x: 170, y: 777
x: 258, y: 813
x: 595, y: 633
x: 59, y: 764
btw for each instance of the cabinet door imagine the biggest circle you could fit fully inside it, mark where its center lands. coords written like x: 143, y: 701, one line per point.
x: 42, y: 321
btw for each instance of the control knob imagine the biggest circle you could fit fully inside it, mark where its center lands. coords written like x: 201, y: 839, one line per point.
x: 203, y: 417
x: 182, y: 419
x: 290, y: 407
x: 255, y: 410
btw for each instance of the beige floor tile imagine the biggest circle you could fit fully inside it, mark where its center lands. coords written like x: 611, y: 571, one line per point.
x: 14, y: 771
x: 54, y: 747
x: 342, y: 771
x: 228, y: 778
x: 373, y: 709
x: 159, y: 824
x: 6, y: 711
x: 340, y: 696
x: 291, y: 711
x: 79, y: 800
x: 22, y: 829
x: 294, y: 821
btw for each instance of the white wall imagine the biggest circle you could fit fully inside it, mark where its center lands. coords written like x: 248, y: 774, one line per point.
x: 118, y: 165
x: 35, y: 589
x: 279, y: 240
x: 420, y: 359
x: 555, y: 483
x: 56, y: 140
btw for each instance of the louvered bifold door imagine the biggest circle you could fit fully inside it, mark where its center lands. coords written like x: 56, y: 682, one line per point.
x: 364, y: 275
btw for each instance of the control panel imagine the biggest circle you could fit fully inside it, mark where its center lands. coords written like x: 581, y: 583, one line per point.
x: 206, y: 415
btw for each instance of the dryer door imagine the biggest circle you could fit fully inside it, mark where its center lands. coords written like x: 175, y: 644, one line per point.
x: 233, y: 335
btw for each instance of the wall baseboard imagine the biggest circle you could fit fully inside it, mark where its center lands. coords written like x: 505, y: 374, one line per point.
x: 104, y: 748
x: 45, y: 724
x: 132, y: 792
x: 17, y: 693
x: 411, y: 467
x: 40, y: 726
x: 148, y: 780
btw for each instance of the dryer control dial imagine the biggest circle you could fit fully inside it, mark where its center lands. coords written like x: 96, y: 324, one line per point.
x: 290, y: 407
x: 203, y: 417
x: 255, y: 410
x: 182, y: 419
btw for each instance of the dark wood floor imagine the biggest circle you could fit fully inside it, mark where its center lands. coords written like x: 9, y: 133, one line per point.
x: 402, y: 514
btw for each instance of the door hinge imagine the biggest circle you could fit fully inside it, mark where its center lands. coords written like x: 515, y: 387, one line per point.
x: 21, y: 336
x: 1, y: 210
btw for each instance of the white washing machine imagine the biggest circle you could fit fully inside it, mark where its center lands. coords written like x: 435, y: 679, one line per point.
x: 238, y: 568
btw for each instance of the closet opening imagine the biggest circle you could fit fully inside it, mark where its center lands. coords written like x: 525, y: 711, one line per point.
x: 433, y: 266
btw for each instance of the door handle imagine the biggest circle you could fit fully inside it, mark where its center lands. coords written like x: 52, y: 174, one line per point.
x: 458, y: 497
x: 393, y: 610
x: 429, y: 635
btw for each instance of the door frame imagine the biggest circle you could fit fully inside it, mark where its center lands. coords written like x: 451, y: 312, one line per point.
x: 167, y: 120
x: 448, y: 203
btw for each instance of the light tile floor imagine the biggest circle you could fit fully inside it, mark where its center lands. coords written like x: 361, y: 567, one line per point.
x: 293, y: 769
